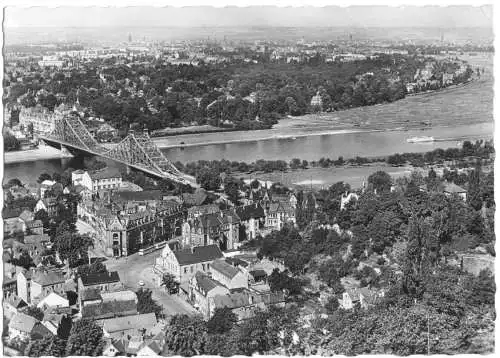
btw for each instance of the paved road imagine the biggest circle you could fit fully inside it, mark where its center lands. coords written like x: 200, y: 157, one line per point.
x: 135, y: 268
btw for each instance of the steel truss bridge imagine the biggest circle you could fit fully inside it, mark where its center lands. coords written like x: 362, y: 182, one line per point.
x: 137, y: 150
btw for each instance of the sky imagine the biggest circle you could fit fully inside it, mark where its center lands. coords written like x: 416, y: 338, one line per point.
x: 331, y: 16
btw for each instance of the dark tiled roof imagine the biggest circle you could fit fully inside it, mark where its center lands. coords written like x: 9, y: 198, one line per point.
x: 198, y: 254
x: 137, y: 195
x: 100, y: 278
x: 11, y: 213
x: 236, y: 262
x: 258, y: 273
x: 204, y: 282
x: 90, y: 294
x: 247, y: 212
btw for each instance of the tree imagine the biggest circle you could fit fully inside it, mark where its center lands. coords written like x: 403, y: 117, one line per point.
x: 185, y: 336
x: 35, y: 312
x: 171, y: 284
x: 85, y: 339
x: 381, y: 181
x: 332, y: 304
x: 24, y: 260
x: 209, y: 179
x: 13, y: 182
x: 145, y: 302
x: 222, y: 321
x: 232, y: 190
x: 52, y: 346
x: 70, y: 246
x: 10, y: 143
x: 96, y: 267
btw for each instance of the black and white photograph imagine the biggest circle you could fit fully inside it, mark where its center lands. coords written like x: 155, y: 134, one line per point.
x: 260, y: 179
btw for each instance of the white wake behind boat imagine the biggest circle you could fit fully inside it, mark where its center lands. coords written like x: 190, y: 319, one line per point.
x: 420, y: 139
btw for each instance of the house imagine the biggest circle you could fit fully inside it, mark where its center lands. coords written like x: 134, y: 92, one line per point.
x: 317, y: 102
x: 201, y: 288
x: 12, y: 222
x: 45, y: 186
x: 26, y: 327
x: 24, y: 285
x: 50, y: 205
x: 104, y: 179
x: 35, y: 227
x: 118, y: 327
x: 12, y: 305
x: 453, y: 189
x: 112, y: 348
x: 252, y: 220
x: 197, y: 211
x: 104, y: 281
x: 53, y: 299
x: 183, y: 264
x: 45, y: 282
x: 221, y: 228
x: 279, y: 214
x: 108, y: 304
x: 228, y: 275
x: 55, y: 318
x: 347, y: 198
x: 362, y: 296
x: 245, y: 303
x: 149, y: 349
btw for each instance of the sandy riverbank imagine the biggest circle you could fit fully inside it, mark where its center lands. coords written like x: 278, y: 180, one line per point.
x: 41, y: 153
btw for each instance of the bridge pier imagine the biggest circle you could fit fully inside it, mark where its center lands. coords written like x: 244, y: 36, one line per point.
x: 65, y: 153
x: 128, y: 169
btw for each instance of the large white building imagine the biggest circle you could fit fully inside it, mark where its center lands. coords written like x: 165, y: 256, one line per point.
x: 105, y: 179
x: 42, y: 119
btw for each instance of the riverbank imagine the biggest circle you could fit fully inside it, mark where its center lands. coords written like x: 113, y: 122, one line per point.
x: 318, y: 178
x: 40, y: 153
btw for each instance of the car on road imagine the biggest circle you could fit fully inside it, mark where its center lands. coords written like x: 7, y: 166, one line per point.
x: 141, y: 283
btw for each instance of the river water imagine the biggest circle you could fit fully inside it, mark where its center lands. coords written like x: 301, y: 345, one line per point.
x: 458, y: 115
x: 310, y: 148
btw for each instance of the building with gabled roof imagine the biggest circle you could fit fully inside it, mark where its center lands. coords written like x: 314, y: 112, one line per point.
x: 201, y: 288
x: 228, y: 275
x: 103, y: 281
x: 184, y: 263
x: 134, y: 325
x: 280, y: 214
x: 26, y: 327
x: 221, y: 228
x: 253, y: 218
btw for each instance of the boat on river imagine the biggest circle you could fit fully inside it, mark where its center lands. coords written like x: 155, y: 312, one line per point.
x: 420, y: 139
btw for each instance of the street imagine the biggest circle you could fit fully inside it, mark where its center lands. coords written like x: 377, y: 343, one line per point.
x: 135, y: 268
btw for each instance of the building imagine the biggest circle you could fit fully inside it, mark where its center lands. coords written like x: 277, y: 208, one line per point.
x: 95, y: 304
x: 453, y: 189
x: 45, y: 282
x: 252, y: 221
x: 347, y: 198
x: 104, y: 179
x: 12, y: 305
x: 280, y: 214
x: 363, y: 296
x: 228, y: 275
x: 53, y: 300
x: 135, y: 325
x: 184, y: 263
x: 26, y: 327
x: 125, y: 226
x: 41, y: 118
x: 317, y: 102
x: 201, y: 288
x: 49, y: 205
x: 103, y: 281
x: 220, y: 228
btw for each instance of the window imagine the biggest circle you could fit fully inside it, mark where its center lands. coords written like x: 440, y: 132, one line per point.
x: 203, y: 266
x: 185, y: 270
x: 191, y: 269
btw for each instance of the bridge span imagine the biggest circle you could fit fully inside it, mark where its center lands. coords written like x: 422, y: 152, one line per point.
x: 137, y: 150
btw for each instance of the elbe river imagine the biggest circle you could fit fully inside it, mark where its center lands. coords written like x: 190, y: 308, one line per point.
x: 455, y: 116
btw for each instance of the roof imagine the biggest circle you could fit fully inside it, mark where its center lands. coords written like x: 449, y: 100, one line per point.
x: 232, y: 300
x: 34, y: 223
x: 139, y: 321
x: 204, y: 209
x: 248, y: 212
x: 105, y: 173
x: 137, y: 195
x: 100, y: 278
x: 258, y: 273
x: 198, y: 254
x: 11, y: 213
x: 205, y: 283
x: 90, y: 294
x: 22, y: 322
x: 15, y: 301
x: 236, y: 261
x: 197, y: 198
x: 125, y: 295
x: 48, y: 278
x: 453, y: 188
x: 36, y: 239
x: 224, y: 268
